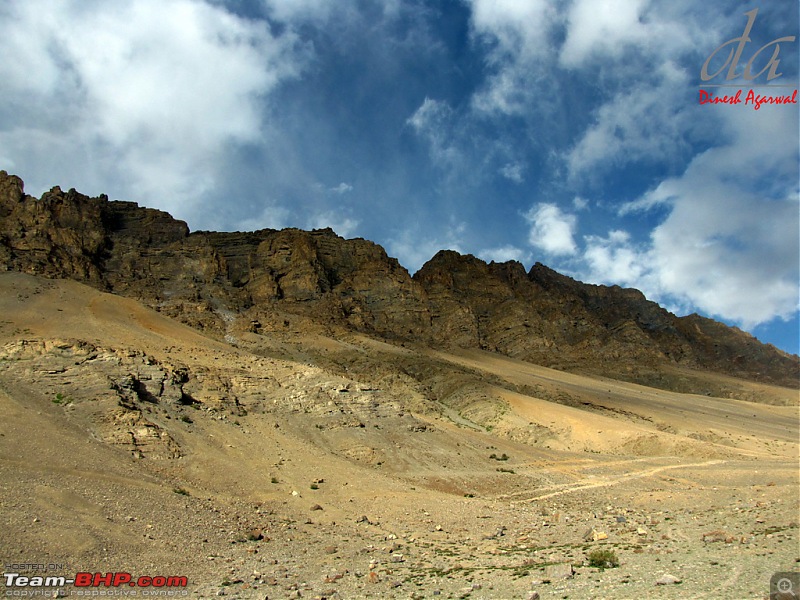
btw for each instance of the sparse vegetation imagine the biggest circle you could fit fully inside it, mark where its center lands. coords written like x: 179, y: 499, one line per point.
x: 61, y: 399
x: 603, y: 558
x: 181, y: 491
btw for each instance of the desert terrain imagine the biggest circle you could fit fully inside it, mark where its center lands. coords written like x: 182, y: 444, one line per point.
x: 294, y: 464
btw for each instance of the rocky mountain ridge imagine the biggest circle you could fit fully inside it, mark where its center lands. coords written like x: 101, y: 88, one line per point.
x: 272, y: 282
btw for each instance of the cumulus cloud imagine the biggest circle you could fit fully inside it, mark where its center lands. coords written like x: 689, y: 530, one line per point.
x: 140, y: 97
x: 729, y: 245
x: 551, y: 229
x: 616, y: 259
x: 319, y: 12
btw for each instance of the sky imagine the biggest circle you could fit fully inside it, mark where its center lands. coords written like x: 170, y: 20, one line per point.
x: 566, y: 132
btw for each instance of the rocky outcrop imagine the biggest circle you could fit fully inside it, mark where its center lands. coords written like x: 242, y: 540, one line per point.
x: 117, y: 391
x: 267, y: 280
x: 540, y: 316
x: 61, y: 235
x: 550, y: 319
x: 208, y: 278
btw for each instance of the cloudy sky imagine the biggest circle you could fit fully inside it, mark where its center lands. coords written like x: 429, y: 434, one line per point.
x: 567, y: 132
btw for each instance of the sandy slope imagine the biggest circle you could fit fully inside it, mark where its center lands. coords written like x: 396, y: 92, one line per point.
x: 360, y: 481
x: 758, y: 429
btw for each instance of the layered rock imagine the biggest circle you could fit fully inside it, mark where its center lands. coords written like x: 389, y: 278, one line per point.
x: 550, y: 319
x: 61, y: 235
x: 268, y: 279
x: 206, y: 278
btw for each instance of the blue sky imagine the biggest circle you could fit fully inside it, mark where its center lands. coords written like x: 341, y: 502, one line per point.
x: 564, y: 132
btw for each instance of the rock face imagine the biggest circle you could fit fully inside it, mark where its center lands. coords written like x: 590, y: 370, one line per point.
x: 547, y: 318
x: 317, y: 281
x: 208, y: 278
x: 61, y: 235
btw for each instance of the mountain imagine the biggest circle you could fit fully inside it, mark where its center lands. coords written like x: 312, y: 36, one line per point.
x: 267, y: 282
x: 288, y: 414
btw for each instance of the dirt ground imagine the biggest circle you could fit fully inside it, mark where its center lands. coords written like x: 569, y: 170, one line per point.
x: 313, y: 467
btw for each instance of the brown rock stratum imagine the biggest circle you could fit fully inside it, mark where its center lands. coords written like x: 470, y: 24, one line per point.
x: 273, y: 280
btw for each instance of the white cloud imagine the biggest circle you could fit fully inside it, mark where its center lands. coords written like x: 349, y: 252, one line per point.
x: 342, y: 188
x: 552, y: 230
x: 599, y: 31
x: 341, y: 224
x: 413, y: 248
x: 513, y: 171
x: 272, y: 216
x: 645, y: 121
x: 140, y: 97
x: 631, y: 51
x: 517, y: 27
x: 505, y: 253
x: 729, y: 246
x: 580, y: 203
x: 705, y: 254
x: 601, y: 26
x: 518, y: 37
x: 322, y: 12
x: 303, y: 10
x: 433, y: 121
x: 614, y: 259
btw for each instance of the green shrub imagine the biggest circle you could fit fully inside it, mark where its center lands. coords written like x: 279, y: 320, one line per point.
x: 61, y: 399
x: 603, y: 558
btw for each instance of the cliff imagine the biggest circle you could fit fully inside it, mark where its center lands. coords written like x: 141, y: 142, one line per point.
x: 292, y: 280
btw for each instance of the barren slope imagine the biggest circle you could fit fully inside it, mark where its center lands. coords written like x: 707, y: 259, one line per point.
x: 131, y: 442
